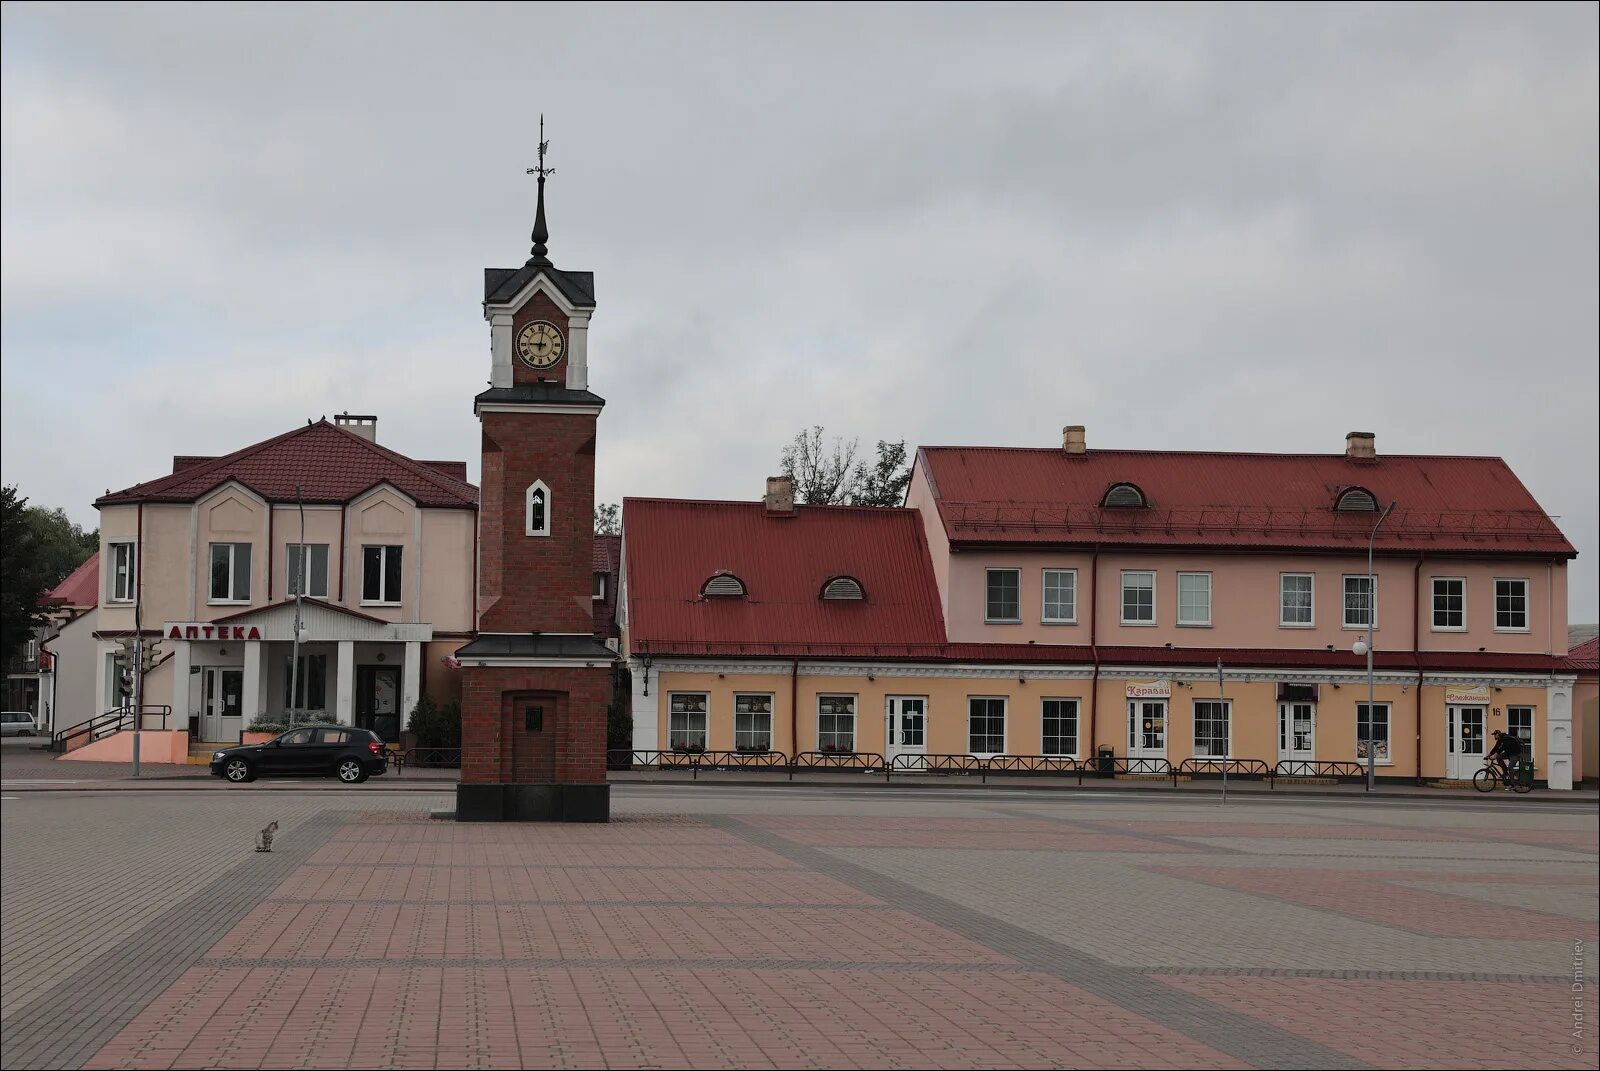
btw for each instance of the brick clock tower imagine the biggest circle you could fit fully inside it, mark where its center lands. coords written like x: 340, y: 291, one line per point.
x: 535, y: 681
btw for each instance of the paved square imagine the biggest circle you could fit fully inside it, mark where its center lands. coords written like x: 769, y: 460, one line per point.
x: 809, y: 927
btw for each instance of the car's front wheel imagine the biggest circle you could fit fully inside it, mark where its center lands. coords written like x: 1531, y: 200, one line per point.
x: 238, y: 771
x: 351, y: 772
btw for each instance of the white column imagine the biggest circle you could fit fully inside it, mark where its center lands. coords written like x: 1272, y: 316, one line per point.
x: 345, y: 687
x: 646, y: 731
x: 254, y: 681
x: 500, y: 348
x: 181, y: 655
x: 578, y: 351
x: 1558, y: 733
x: 410, y: 681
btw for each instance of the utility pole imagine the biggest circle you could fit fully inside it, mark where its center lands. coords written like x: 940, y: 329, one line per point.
x: 299, y: 593
x: 1227, y: 741
x: 1365, y: 647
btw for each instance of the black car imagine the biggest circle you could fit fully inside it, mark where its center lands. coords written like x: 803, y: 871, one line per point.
x: 351, y: 755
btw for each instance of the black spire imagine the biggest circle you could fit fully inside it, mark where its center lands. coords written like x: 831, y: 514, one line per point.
x: 541, y: 233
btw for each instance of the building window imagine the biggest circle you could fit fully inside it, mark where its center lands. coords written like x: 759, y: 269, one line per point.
x: 1449, y: 604
x: 1061, y: 596
x: 1123, y: 496
x: 844, y: 588
x: 986, y: 726
x: 380, y: 575
x: 122, y: 576
x: 121, y: 689
x: 30, y: 651
x: 1211, y: 728
x: 1138, y: 598
x: 599, y: 586
x: 1295, y: 605
x: 1359, y: 592
x: 308, y: 569
x: 752, y: 722
x: 686, y: 724
x: 1194, y: 598
x: 1356, y: 500
x: 307, y: 690
x: 836, y: 723
x: 1519, y: 723
x: 536, y: 509
x: 1372, y: 731
x: 1061, y: 727
x: 723, y: 586
x: 230, y: 572
x: 1510, y: 605
x: 1003, y: 602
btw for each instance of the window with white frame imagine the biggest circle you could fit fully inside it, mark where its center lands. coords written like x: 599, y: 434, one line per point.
x: 1449, y: 603
x: 536, y: 509
x: 230, y: 572
x: 1060, y: 727
x: 686, y: 721
x: 1138, y: 598
x: 1060, y: 596
x: 30, y: 651
x: 599, y: 591
x: 1003, y: 596
x: 1296, y: 600
x: 1510, y: 605
x: 836, y: 723
x: 752, y: 721
x: 381, y: 574
x: 306, y: 689
x: 121, y: 581
x: 986, y: 725
x: 1194, y: 598
x: 1211, y: 728
x: 1519, y: 723
x: 308, y: 569
x: 1372, y: 731
x: 1359, y: 591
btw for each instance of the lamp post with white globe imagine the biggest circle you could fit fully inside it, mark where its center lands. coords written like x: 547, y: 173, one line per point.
x: 1364, y: 647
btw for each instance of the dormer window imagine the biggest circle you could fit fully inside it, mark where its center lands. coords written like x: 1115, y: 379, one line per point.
x: 723, y: 586
x: 1356, y: 500
x: 1124, y: 496
x: 843, y: 587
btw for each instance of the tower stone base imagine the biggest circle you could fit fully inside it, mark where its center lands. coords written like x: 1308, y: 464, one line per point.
x: 533, y: 744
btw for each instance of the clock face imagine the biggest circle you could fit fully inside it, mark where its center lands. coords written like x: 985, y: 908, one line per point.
x: 540, y: 344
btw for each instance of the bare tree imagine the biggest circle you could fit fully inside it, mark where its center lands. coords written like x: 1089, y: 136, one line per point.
x: 823, y: 473
x: 607, y: 518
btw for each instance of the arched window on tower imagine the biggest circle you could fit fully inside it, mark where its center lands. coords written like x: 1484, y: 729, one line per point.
x: 536, y: 512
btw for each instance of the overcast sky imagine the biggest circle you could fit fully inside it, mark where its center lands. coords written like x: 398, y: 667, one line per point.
x: 1201, y: 228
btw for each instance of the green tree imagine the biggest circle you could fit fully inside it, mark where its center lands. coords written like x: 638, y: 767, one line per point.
x: 827, y: 472
x: 883, y: 483
x: 607, y: 519
x: 38, y: 548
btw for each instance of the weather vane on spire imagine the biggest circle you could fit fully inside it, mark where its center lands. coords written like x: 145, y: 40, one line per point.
x: 541, y: 233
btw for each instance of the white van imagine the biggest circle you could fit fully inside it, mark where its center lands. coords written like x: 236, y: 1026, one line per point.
x: 16, y: 723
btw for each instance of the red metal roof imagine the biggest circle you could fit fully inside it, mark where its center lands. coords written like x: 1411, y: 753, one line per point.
x: 80, y: 589
x: 989, y: 495
x: 674, y: 546
x: 329, y: 463
x: 1585, y: 657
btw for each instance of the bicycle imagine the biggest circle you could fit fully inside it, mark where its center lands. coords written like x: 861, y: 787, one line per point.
x: 1495, y: 773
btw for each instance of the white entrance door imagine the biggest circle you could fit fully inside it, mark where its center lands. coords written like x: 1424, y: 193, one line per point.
x: 1147, y: 728
x: 1464, y: 742
x: 907, y: 730
x: 1296, y: 732
x: 220, y: 713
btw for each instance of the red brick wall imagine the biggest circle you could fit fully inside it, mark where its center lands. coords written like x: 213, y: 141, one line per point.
x: 537, y: 583
x: 496, y: 749
x: 539, y: 307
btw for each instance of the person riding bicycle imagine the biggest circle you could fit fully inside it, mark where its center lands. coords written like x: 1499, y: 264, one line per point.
x: 1506, y: 751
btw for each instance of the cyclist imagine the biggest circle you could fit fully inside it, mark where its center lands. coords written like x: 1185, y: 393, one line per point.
x: 1507, y: 749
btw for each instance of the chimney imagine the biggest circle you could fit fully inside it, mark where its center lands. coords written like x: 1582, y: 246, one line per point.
x: 1072, y: 439
x: 365, y: 426
x: 780, y: 496
x: 1361, y: 446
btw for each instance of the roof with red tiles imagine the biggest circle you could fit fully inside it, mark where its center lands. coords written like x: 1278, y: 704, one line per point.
x: 330, y: 464
x: 674, y: 547
x: 1586, y: 656
x: 607, y: 560
x: 80, y: 589
x: 1459, y: 505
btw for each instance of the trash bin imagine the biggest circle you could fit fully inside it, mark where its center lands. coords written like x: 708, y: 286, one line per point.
x: 1525, y: 771
x: 1105, y: 762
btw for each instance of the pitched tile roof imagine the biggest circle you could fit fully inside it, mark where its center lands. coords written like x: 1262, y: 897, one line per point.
x: 607, y: 559
x: 994, y: 495
x: 673, y: 547
x: 1586, y: 656
x: 80, y: 589
x: 330, y: 464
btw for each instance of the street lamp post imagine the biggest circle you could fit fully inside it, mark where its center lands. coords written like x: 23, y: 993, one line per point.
x: 1364, y: 647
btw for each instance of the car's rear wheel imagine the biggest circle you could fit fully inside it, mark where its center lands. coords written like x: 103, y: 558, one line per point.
x: 238, y: 771
x: 351, y: 772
